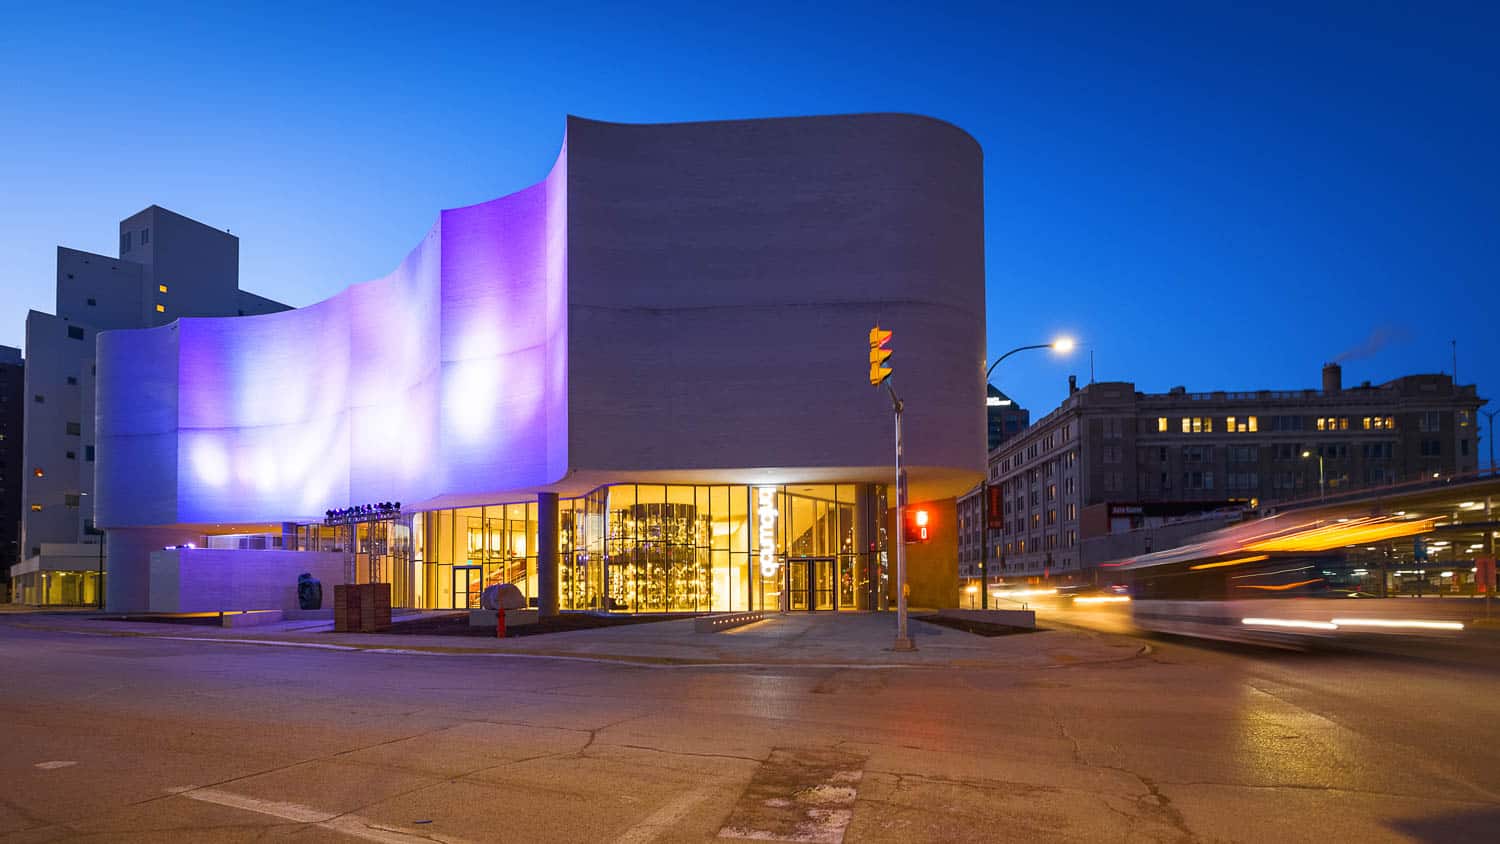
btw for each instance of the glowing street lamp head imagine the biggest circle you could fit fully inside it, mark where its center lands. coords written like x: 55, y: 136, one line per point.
x: 1062, y: 345
x: 1306, y: 454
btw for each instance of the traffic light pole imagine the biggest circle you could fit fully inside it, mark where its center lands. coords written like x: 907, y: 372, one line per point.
x: 903, y: 638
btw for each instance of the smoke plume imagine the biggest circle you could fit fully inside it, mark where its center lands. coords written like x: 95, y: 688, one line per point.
x: 1382, y: 336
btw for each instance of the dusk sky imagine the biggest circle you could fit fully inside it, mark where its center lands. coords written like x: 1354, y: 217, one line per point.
x: 1217, y: 199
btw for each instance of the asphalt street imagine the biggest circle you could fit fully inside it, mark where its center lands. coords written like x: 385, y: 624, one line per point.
x: 115, y: 738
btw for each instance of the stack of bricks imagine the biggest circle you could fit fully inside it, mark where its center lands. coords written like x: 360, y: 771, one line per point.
x: 361, y: 607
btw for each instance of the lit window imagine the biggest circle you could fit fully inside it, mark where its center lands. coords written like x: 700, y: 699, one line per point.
x: 36, y: 508
x: 161, y: 288
x: 1161, y: 424
x: 1187, y: 425
x: 38, y: 472
x: 161, y: 309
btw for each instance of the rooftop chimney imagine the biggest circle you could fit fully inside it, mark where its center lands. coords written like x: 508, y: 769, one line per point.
x: 1333, y: 378
x: 1072, y: 384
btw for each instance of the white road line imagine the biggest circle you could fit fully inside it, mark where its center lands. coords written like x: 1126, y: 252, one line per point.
x: 662, y: 819
x: 52, y: 766
x: 352, y: 825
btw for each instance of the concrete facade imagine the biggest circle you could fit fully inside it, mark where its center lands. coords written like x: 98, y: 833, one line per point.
x: 1112, y: 459
x: 12, y: 468
x: 673, y: 304
x: 169, y: 265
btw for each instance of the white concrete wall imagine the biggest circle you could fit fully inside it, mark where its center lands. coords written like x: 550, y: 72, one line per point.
x: 207, y: 580
x: 723, y: 278
x: 52, y: 357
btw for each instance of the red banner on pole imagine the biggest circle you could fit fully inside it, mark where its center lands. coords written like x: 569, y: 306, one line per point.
x: 1484, y: 574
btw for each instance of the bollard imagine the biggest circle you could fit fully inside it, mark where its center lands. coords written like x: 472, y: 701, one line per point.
x: 500, y: 623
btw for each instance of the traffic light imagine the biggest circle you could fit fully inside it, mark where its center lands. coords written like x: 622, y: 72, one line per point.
x: 917, y: 525
x: 879, y: 354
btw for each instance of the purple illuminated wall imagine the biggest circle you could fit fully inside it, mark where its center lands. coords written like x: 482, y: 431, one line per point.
x: 445, y: 380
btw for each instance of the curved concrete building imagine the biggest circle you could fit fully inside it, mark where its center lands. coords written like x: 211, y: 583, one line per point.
x: 673, y: 319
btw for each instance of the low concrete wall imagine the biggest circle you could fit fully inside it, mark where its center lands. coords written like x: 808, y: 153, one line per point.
x: 1009, y: 618
x: 211, y: 580
x: 254, y: 618
x: 724, y: 621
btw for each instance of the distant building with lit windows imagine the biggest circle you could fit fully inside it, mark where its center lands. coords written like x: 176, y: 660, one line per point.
x: 638, y: 385
x: 169, y: 266
x: 1111, y: 459
x: 12, y: 408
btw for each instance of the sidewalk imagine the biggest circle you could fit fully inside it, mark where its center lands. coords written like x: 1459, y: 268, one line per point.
x: 844, y: 639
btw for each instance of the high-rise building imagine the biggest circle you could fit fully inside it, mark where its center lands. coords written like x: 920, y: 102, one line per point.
x: 12, y: 386
x: 1112, y: 459
x: 1004, y: 418
x: 169, y: 266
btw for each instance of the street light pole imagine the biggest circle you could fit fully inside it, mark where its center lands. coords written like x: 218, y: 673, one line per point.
x: 1061, y: 345
x: 1307, y: 454
x: 1491, y: 415
x: 903, y: 638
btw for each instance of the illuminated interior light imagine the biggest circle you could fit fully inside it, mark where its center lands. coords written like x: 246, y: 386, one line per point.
x: 1295, y: 624
x: 1235, y: 562
x: 1396, y: 624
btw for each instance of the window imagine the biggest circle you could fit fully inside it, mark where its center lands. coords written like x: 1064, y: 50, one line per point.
x: 38, y: 472
x: 1379, y: 423
x: 161, y: 288
x: 1430, y: 422
x: 1197, y: 454
x: 73, y: 380
x: 1051, y: 492
x: 1197, y: 424
x: 74, y: 429
x: 1071, y: 512
x: 1432, y: 448
x: 71, y: 455
x: 1377, y: 451
x: 1463, y: 418
x: 145, y: 237
x: 1112, y: 454
x: 1332, y: 423
x: 88, y: 453
x: 70, y: 499
x: 1463, y: 447
x: 1198, y: 480
x: 161, y: 309
x: 1161, y: 424
x: 1114, y: 428
x: 1114, y: 481
x: 75, y: 332
x: 124, y: 242
x: 1242, y: 424
x: 36, y: 508
x: 1244, y: 454
x: 92, y: 302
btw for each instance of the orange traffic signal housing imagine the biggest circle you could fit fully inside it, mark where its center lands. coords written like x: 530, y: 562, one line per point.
x: 879, y: 354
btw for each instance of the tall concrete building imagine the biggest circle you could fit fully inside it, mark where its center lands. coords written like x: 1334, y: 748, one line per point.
x: 639, y: 385
x: 169, y: 266
x: 1112, y: 459
x: 12, y: 388
x: 1003, y: 417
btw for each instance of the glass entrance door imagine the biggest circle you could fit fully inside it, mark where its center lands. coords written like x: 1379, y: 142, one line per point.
x: 468, y: 582
x: 798, y: 589
x: 811, y: 584
x: 822, y: 584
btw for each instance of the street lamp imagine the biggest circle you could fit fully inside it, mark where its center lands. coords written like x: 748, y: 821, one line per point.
x: 1062, y: 345
x: 1306, y: 455
x: 1491, y: 415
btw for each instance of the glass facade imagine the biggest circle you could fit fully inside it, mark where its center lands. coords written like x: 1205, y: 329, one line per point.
x: 56, y: 588
x: 655, y: 548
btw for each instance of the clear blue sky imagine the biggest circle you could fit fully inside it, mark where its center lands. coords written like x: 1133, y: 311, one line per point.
x: 1217, y: 198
